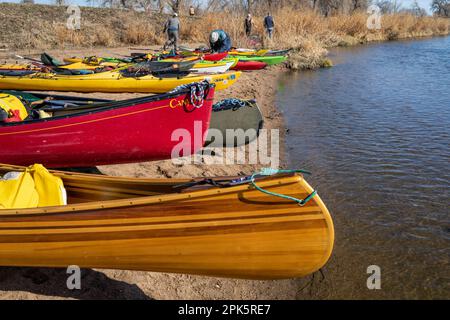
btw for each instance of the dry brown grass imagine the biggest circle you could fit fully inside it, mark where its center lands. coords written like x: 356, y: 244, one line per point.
x: 307, y: 32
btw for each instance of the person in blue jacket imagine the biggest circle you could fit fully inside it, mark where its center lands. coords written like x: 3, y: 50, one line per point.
x: 219, y: 41
x: 269, y: 25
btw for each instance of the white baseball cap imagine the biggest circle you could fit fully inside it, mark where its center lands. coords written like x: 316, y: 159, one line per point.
x: 214, y: 37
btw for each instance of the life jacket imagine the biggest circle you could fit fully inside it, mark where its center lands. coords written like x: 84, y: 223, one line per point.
x: 34, y: 187
x: 14, y: 108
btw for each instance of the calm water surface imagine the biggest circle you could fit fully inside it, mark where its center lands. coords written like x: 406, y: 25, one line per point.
x: 375, y: 132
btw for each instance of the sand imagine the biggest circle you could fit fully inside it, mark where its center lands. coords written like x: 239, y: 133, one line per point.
x: 50, y: 283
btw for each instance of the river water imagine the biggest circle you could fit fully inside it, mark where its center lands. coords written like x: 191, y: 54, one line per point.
x: 375, y: 132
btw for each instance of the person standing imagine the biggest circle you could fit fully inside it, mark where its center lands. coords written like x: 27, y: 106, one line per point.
x: 191, y: 11
x: 172, y: 27
x: 248, y: 24
x: 269, y: 25
x: 219, y: 41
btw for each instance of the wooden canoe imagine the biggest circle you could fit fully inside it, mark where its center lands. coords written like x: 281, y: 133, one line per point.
x: 109, y: 132
x: 147, y: 224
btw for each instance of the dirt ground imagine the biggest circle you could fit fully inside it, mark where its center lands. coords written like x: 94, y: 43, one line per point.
x: 48, y: 283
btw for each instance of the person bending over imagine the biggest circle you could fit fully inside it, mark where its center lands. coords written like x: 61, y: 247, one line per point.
x: 219, y: 41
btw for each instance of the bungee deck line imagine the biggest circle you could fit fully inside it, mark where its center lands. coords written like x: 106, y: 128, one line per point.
x: 270, y: 172
x: 251, y: 180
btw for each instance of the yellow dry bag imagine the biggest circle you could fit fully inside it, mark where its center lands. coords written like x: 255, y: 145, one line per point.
x: 11, y: 104
x: 34, y: 187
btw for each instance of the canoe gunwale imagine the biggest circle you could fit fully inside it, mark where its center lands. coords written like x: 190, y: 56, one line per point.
x: 106, y: 106
x: 148, y: 200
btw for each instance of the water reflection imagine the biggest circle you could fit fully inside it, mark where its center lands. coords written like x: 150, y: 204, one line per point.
x: 375, y: 131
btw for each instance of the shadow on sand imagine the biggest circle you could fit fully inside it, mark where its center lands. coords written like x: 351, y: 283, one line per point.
x: 52, y: 282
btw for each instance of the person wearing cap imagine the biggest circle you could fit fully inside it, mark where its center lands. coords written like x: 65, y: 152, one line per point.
x: 219, y: 41
x: 248, y: 24
x: 172, y: 27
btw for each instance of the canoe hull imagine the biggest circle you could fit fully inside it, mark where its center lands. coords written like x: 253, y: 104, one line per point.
x: 112, y: 82
x: 130, y: 133
x: 235, y: 232
x: 270, y: 60
x: 215, y: 56
x: 249, y: 65
x: 220, y: 68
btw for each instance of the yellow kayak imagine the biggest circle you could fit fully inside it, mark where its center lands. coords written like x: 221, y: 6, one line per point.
x: 249, y: 52
x: 96, y: 61
x: 18, y: 66
x: 110, y: 81
x: 71, y: 66
x: 85, y: 66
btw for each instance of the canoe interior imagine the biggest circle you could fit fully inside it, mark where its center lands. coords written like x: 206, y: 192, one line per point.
x: 81, y: 105
x: 83, y: 188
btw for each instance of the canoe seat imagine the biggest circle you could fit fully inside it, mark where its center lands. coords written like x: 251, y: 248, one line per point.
x: 34, y: 187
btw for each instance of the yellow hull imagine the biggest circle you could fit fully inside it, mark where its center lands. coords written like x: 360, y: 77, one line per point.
x: 72, y: 66
x: 94, y: 63
x: 85, y: 66
x: 249, y: 53
x: 110, y: 81
x: 17, y: 66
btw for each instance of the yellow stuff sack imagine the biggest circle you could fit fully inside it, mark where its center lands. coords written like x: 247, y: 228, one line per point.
x: 35, y: 187
x: 49, y: 187
x: 9, y: 103
x: 17, y: 190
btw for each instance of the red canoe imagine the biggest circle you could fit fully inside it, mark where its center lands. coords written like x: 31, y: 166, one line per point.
x: 249, y: 65
x: 134, y: 130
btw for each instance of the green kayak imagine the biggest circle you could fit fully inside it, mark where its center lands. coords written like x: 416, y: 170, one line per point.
x: 270, y: 60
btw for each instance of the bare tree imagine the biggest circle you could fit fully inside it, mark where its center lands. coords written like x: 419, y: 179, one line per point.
x: 388, y: 6
x: 441, y: 8
x: 174, y: 5
x: 417, y: 10
x: 329, y: 7
x: 359, y: 5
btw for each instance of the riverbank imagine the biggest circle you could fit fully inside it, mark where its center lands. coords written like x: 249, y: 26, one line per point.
x: 309, y: 33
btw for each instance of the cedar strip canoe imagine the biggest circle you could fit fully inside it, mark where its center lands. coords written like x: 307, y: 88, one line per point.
x: 147, y: 224
x: 112, y: 132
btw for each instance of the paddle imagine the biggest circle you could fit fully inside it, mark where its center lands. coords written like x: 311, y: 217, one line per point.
x: 28, y: 58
